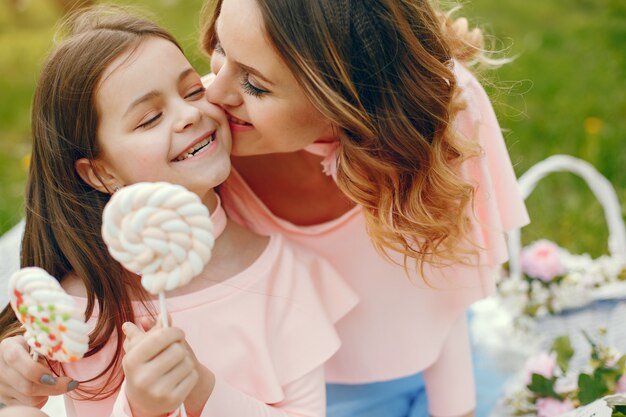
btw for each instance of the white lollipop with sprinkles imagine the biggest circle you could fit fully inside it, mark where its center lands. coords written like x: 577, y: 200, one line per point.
x: 55, y: 327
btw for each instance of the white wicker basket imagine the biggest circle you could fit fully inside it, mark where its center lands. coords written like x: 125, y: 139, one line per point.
x: 501, y: 324
x: 600, y: 275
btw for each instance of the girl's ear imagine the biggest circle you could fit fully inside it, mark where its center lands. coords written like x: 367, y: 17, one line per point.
x: 95, y: 174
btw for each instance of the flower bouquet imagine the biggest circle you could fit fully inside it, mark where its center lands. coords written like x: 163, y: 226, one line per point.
x: 554, y: 280
x: 552, y: 387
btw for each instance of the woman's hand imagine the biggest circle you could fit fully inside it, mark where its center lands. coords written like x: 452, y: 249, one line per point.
x: 24, y: 381
x: 160, y: 370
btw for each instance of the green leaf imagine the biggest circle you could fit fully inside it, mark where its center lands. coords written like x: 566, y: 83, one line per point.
x: 590, y: 388
x: 609, y: 376
x: 562, y: 346
x: 543, y: 387
x: 594, y: 347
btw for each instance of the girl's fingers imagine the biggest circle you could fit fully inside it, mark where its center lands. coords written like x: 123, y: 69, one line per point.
x: 168, y: 360
x: 153, y: 343
x: 180, y: 372
x: 185, y: 386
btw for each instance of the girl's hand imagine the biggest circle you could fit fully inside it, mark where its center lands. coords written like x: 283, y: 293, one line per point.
x: 24, y: 381
x: 160, y: 370
x: 200, y: 394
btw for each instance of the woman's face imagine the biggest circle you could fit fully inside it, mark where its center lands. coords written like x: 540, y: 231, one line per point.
x: 267, y: 110
x: 155, y: 123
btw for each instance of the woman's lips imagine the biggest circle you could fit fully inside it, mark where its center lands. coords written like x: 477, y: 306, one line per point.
x: 238, y: 125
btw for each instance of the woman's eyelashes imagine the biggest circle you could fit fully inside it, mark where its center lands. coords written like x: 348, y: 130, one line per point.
x: 218, y: 48
x: 250, y: 88
x: 247, y: 86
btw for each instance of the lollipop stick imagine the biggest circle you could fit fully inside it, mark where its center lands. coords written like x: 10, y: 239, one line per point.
x: 163, y: 309
x: 181, y: 409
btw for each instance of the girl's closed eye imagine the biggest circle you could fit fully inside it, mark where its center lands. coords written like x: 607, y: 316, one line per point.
x: 195, y: 93
x: 149, y: 120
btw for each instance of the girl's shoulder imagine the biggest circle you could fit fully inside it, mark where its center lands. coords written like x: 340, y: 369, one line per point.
x: 73, y: 285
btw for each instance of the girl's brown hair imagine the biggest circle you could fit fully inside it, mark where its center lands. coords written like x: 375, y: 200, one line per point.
x: 63, y: 213
x: 381, y: 70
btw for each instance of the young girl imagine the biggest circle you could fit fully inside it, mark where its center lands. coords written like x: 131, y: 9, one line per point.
x: 421, y: 182
x: 118, y: 103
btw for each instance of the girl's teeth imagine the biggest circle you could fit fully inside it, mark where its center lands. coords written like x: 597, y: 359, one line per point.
x: 190, y: 151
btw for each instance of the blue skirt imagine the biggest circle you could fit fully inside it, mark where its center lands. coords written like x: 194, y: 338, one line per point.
x: 403, y: 397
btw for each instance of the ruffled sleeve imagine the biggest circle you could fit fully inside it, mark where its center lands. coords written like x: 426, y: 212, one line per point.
x: 286, y: 324
x: 498, y: 205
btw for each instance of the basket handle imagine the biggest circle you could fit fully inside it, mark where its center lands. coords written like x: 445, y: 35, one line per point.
x: 599, y: 185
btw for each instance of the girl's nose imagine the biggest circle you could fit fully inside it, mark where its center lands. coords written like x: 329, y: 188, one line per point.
x: 187, y: 116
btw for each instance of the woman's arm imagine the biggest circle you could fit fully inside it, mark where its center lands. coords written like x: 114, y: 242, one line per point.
x: 450, y: 380
x: 24, y: 381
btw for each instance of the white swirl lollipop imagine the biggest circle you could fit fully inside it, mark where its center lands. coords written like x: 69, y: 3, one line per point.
x: 160, y: 231
x: 55, y: 327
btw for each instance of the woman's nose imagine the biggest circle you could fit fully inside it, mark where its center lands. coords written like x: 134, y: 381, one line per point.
x: 224, y: 89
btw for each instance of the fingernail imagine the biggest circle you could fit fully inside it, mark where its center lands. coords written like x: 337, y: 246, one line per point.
x: 48, y: 379
x: 72, y: 385
x: 125, y: 327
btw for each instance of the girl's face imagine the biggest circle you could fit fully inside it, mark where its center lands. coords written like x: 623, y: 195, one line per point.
x: 155, y: 123
x: 267, y: 110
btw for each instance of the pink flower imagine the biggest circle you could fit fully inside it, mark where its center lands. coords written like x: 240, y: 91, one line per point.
x: 542, y: 364
x: 550, y: 407
x: 621, y: 384
x: 541, y: 260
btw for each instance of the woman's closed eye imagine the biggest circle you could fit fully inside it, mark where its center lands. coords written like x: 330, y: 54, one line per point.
x: 218, y: 48
x: 250, y: 88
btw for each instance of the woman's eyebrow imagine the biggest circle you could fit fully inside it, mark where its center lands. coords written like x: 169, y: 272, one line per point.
x: 255, y: 72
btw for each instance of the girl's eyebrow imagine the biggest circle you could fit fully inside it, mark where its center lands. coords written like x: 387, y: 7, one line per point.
x: 152, y: 94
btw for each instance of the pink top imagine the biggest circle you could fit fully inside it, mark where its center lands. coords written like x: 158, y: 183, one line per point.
x: 265, y: 333
x: 402, y: 326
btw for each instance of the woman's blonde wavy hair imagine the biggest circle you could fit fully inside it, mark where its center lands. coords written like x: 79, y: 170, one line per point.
x: 381, y: 70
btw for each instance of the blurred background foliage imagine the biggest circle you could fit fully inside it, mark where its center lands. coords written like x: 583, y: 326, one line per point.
x: 565, y: 92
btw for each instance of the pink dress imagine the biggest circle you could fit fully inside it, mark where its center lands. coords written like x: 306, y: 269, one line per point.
x: 265, y: 333
x: 402, y: 326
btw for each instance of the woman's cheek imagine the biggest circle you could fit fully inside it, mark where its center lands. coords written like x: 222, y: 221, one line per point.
x: 217, y: 60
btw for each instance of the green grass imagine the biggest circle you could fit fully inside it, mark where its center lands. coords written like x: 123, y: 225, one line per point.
x: 570, y: 70
x: 25, y: 39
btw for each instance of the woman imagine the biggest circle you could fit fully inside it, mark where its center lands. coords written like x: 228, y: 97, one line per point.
x: 378, y: 93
